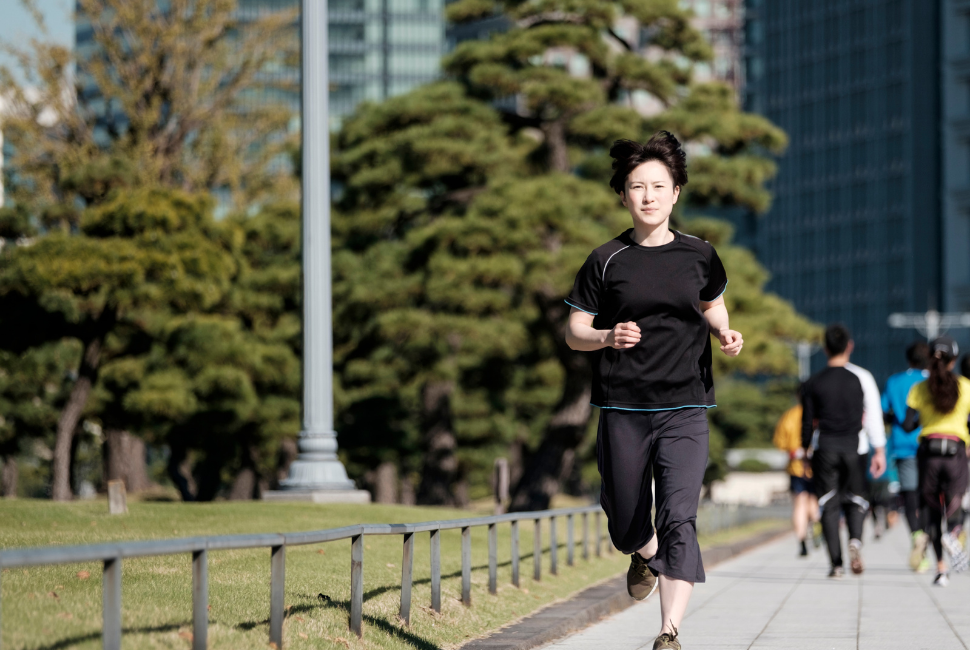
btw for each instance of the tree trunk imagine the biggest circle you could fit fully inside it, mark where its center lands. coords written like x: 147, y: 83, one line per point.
x: 385, y: 483
x: 70, y: 415
x: 555, y: 133
x: 552, y: 462
x: 287, y: 454
x: 180, y: 471
x: 10, y: 475
x: 125, y: 460
x: 244, y: 485
x: 440, y: 472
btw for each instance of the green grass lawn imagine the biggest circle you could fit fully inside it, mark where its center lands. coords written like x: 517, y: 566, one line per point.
x: 60, y: 606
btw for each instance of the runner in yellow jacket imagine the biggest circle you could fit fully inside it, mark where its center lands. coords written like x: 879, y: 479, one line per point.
x: 788, y: 437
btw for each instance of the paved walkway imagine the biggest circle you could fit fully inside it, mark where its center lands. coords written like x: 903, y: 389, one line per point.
x: 770, y: 598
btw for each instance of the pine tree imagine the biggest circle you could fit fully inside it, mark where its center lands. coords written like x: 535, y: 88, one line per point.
x: 139, y: 252
x: 632, y: 50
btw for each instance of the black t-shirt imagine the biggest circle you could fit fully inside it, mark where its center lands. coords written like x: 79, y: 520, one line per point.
x: 833, y: 397
x: 658, y: 288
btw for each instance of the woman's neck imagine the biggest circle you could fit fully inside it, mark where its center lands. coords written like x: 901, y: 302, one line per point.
x: 646, y: 235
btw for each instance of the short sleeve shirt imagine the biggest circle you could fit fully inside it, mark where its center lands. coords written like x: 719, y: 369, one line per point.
x: 659, y: 288
x: 932, y: 421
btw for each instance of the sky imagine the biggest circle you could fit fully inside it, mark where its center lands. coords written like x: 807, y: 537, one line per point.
x: 17, y: 26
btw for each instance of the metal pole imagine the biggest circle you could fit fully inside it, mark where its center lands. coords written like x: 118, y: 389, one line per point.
x: 357, y: 585
x: 277, y: 581
x: 553, y: 548
x: 466, y: 565
x: 492, y: 559
x: 570, y: 540
x: 407, y: 568
x: 111, y: 605
x: 537, y: 551
x: 200, y: 600
x: 317, y: 467
x: 515, y: 553
x: 585, y: 535
x: 436, y: 570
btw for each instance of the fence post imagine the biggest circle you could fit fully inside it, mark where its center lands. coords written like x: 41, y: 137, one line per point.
x: 357, y: 585
x: 570, y: 541
x: 553, y: 548
x: 501, y: 475
x: 515, y: 553
x: 492, y: 559
x: 111, y: 605
x: 436, y: 570
x: 466, y: 565
x: 277, y: 581
x: 596, y: 535
x: 200, y: 599
x: 585, y: 535
x: 407, y: 568
x: 537, y: 551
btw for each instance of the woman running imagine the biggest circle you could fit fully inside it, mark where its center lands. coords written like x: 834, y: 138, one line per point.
x: 646, y: 304
x: 941, y: 405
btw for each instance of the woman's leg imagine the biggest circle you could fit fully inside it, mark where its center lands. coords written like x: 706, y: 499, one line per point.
x: 674, y: 597
x: 650, y: 549
x: 799, y: 515
x: 681, y: 449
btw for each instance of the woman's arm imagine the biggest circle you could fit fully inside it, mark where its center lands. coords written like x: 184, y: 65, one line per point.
x: 717, y: 318
x: 581, y: 336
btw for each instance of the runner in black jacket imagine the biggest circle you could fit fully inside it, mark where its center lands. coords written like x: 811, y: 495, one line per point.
x: 833, y: 404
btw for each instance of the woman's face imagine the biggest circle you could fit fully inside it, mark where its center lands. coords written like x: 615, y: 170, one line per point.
x: 650, y: 194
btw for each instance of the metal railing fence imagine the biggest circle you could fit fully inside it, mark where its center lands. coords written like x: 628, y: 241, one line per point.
x: 112, y: 554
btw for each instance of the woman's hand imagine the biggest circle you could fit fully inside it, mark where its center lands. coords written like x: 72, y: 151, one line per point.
x: 623, y: 336
x: 731, y: 342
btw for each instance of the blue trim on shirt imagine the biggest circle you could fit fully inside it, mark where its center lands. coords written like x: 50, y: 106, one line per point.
x: 591, y: 313
x: 672, y: 408
x: 720, y: 294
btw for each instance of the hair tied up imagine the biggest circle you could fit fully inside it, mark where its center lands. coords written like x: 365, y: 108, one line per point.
x: 663, y: 147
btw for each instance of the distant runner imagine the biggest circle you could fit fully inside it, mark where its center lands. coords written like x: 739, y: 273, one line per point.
x: 941, y: 405
x: 903, y: 446
x: 835, y: 399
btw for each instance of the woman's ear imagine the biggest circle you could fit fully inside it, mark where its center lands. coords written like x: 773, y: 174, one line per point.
x: 623, y: 198
x: 676, y: 193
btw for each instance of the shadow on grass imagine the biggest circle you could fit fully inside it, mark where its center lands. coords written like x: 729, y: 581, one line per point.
x: 379, y: 623
x: 74, y: 640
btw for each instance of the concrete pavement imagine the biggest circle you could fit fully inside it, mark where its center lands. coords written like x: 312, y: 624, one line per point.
x: 771, y: 599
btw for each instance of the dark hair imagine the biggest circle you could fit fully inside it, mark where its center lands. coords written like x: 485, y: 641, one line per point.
x: 918, y: 355
x: 837, y: 337
x: 943, y: 385
x: 663, y: 147
x: 965, y: 366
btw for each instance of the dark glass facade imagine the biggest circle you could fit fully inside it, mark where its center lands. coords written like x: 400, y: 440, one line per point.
x: 855, y: 229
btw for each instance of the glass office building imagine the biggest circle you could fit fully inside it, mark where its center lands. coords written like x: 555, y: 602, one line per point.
x: 856, y: 229
x: 378, y: 48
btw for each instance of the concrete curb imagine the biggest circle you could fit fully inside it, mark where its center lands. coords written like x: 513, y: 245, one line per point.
x: 593, y: 603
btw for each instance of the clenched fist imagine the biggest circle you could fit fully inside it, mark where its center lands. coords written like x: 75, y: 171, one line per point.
x: 623, y: 336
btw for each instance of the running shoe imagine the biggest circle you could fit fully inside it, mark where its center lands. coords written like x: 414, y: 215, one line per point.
x: 941, y: 580
x: 640, y: 581
x: 803, y: 549
x: 924, y: 566
x: 817, y: 534
x: 918, y: 552
x: 836, y: 573
x: 667, y: 642
x: 959, y: 561
x: 855, y: 556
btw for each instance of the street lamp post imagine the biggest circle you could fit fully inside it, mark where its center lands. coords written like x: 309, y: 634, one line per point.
x: 317, y: 474
x: 931, y: 324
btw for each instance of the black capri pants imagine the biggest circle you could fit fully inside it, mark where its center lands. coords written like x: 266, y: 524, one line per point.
x: 636, y: 448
